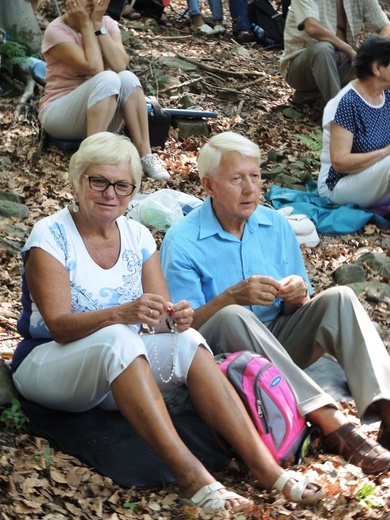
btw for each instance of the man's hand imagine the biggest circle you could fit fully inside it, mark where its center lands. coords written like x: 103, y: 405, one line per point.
x: 293, y: 289
x: 255, y: 290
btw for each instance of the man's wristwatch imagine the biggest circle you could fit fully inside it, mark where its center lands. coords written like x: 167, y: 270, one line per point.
x: 102, y: 30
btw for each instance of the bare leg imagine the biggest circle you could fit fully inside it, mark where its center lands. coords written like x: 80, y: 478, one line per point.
x: 328, y: 418
x: 197, y: 20
x: 221, y: 408
x: 100, y: 115
x: 140, y: 401
x: 136, y: 118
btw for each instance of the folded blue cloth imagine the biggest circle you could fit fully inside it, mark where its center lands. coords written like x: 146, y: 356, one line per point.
x: 327, y: 217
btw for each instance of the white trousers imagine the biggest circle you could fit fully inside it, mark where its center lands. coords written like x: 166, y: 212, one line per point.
x: 77, y: 376
x: 368, y: 188
x: 66, y: 117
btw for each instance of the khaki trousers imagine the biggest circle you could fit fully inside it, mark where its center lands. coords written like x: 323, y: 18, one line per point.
x: 320, y: 66
x: 333, y: 322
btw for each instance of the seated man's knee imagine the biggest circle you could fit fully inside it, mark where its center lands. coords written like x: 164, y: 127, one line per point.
x: 321, y: 51
x: 337, y: 296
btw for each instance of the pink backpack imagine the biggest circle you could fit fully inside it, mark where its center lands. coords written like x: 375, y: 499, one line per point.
x: 269, y: 401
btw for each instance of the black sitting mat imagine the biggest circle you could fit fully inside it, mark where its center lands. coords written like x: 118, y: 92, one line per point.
x: 107, y: 442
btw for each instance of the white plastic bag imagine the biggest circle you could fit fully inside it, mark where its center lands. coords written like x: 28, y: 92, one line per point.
x: 161, y: 209
x: 302, y: 226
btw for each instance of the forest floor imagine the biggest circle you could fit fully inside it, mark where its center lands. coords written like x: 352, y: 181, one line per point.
x: 243, y: 85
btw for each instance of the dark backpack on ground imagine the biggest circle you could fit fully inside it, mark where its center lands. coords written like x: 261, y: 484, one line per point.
x: 159, y: 122
x: 262, y: 13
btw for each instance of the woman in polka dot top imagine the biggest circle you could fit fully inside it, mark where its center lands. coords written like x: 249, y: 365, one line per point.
x: 355, y: 159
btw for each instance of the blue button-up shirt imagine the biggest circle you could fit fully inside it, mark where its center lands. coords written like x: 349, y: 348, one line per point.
x: 200, y: 260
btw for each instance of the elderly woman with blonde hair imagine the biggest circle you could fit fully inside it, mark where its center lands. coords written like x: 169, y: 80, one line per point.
x: 91, y: 280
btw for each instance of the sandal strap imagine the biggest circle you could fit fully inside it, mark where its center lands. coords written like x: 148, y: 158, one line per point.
x: 283, y: 479
x: 358, y: 450
x: 203, y: 492
x: 297, y: 490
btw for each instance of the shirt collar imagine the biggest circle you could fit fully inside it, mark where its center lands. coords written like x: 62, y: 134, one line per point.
x: 209, y: 224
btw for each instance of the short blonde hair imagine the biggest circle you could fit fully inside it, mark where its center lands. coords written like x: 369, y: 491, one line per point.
x: 105, y: 148
x: 210, y: 156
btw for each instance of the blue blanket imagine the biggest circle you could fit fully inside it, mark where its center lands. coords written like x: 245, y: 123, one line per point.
x: 327, y: 217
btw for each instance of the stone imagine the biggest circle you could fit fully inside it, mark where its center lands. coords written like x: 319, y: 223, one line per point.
x: 384, y: 272
x: 13, y: 209
x: 6, y: 195
x: 272, y: 173
x: 176, y: 63
x: 289, y: 181
x: 374, y: 260
x: 8, y: 391
x: 349, y: 273
x: 5, y: 163
x: 191, y: 127
x: 377, y: 291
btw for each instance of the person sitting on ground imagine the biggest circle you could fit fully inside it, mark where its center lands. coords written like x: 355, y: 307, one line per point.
x: 355, y: 159
x: 241, y: 25
x: 240, y: 265
x: 88, y: 88
x: 198, y: 25
x: 91, y: 278
x: 320, y: 41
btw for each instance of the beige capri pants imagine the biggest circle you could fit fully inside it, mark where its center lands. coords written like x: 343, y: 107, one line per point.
x: 66, y: 116
x: 77, y: 376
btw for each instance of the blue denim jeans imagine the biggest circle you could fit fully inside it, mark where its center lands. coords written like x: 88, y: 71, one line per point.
x: 215, y: 7
x: 239, y: 14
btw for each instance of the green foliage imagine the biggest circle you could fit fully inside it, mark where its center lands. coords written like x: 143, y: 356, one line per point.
x: 313, y: 143
x: 14, y: 416
x: 129, y: 505
x: 366, y: 495
x: 15, y: 52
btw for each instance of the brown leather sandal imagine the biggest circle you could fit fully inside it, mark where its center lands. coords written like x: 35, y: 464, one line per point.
x: 384, y: 437
x: 357, y: 449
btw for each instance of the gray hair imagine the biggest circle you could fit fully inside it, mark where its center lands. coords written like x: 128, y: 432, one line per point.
x: 210, y: 156
x: 105, y: 148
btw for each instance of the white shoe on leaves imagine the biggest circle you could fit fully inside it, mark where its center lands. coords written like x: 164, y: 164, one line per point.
x: 219, y: 29
x: 152, y: 167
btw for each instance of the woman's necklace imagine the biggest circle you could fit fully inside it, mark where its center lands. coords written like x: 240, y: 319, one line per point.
x: 174, y: 337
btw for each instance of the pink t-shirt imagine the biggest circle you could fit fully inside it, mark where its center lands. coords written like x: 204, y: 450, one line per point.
x: 60, y: 77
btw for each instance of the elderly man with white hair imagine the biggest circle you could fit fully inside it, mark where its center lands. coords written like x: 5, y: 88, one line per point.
x: 240, y: 266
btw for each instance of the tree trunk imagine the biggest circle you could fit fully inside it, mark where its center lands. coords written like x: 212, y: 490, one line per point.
x: 21, y: 14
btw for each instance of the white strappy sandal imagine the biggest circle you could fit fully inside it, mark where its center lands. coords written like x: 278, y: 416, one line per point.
x: 296, y: 492
x: 213, y: 498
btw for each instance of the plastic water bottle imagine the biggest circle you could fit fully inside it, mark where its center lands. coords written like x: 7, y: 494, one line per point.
x: 262, y: 36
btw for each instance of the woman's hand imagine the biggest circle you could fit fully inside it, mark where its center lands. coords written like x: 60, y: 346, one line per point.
x: 147, y: 309
x: 76, y: 15
x: 98, y: 12
x: 182, y: 314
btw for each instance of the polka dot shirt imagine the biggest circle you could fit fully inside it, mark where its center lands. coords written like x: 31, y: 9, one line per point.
x: 370, y: 126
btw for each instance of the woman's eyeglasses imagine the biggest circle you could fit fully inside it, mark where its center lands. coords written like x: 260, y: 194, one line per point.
x: 121, y: 188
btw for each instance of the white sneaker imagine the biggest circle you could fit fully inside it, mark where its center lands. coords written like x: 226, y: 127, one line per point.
x: 204, y: 30
x: 219, y: 29
x: 153, y: 168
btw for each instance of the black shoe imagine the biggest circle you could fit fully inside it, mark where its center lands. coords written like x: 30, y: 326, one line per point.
x: 244, y: 37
